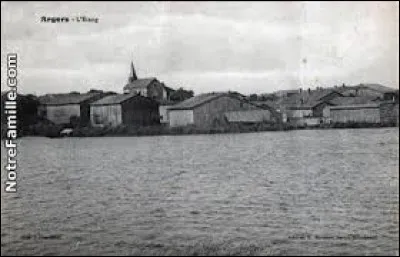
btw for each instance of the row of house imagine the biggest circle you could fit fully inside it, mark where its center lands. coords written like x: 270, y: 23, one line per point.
x: 147, y: 101
x: 204, y: 111
x: 141, y: 104
x: 364, y: 103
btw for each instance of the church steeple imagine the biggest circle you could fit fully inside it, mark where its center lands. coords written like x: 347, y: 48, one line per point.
x: 132, y: 75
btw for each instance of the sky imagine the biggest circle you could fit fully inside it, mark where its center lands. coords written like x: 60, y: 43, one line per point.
x: 249, y: 47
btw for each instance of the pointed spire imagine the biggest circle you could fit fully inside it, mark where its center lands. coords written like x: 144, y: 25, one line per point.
x: 132, y: 75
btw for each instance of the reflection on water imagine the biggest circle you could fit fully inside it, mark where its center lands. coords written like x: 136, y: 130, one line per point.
x: 281, y: 193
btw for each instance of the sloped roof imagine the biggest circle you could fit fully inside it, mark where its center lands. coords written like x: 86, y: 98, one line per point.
x: 166, y: 102
x: 197, y: 101
x: 270, y: 103
x: 355, y: 106
x: 63, y: 99
x: 373, y: 86
x: 251, y: 116
x: 377, y: 87
x: 348, y: 100
x: 117, y: 99
x: 168, y: 89
x: 306, y: 99
x: 139, y: 83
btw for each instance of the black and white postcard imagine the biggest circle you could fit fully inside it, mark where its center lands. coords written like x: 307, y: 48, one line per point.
x: 199, y: 128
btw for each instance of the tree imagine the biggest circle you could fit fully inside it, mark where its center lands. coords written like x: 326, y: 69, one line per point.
x: 27, y: 109
x: 253, y: 97
x: 92, y: 90
x: 181, y: 94
x: 27, y: 106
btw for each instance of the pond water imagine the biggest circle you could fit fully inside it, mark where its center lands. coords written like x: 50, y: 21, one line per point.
x: 308, y: 192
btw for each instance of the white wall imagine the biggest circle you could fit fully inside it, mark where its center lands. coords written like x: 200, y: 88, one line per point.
x: 163, y: 111
x: 299, y: 113
x: 369, y: 115
x: 179, y: 118
x: 326, y: 114
x: 309, y: 121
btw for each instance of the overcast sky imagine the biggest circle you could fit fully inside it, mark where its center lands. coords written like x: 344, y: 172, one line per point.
x: 204, y: 46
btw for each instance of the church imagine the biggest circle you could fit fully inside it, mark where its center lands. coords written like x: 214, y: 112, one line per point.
x: 149, y: 87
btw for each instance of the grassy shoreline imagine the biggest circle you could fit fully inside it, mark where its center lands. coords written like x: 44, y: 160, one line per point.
x: 53, y: 131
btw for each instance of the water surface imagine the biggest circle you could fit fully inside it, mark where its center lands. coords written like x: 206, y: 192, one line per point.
x: 310, y: 192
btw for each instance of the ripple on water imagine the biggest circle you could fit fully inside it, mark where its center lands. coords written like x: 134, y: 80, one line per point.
x: 237, y: 194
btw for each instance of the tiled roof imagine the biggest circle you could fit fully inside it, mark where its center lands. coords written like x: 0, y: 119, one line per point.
x: 168, y: 89
x: 355, y: 106
x: 352, y: 100
x: 306, y: 99
x: 251, y: 116
x: 167, y: 102
x: 197, y: 101
x: 116, y: 99
x: 63, y: 99
x: 139, y: 83
x: 377, y: 87
x: 272, y: 104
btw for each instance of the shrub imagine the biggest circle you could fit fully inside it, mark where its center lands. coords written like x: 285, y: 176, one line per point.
x: 45, y: 129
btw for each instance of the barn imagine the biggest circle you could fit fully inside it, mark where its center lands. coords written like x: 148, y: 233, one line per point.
x: 346, y: 101
x: 67, y: 108
x: 127, y: 109
x: 208, y: 110
x: 249, y: 117
x: 360, y: 113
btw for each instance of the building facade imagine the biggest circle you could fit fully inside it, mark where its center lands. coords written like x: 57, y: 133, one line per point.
x: 67, y: 108
x: 163, y: 111
x: 363, y: 113
x: 148, y: 87
x: 256, y: 116
x: 207, y: 110
x: 389, y: 113
x: 124, y: 109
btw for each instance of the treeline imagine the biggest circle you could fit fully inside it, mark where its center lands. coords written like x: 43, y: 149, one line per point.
x: 262, y: 97
x: 181, y: 94
x: 27, y: 106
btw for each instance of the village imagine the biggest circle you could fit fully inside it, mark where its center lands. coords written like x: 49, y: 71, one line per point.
x: 149, y: 104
